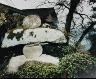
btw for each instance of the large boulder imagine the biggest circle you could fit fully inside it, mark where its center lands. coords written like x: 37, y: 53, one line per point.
x: 15, y: 63
x: 31, y: 21
x: 32, y: 51
x: 37, y: 35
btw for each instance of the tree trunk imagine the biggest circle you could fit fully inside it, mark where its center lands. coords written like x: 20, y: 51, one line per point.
x: 69, y: 18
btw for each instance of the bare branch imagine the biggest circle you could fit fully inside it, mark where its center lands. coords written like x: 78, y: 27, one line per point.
x: 83, y: 15
x: 46, y: 2
x: 59, y: 9
x: 85, y: 32
x: 62, y: 4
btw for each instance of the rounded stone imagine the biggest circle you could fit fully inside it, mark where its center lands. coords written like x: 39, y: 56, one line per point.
x: 32, y: 51
x: 44, y: 58
x: 14, y: 64
x: 31, y: 21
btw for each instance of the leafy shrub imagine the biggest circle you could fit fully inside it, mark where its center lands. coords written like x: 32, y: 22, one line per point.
x: 57, y: 51
x: 75, y: 63
x: 38, y: 70
x: 6, y: 75
x: 61, y: 50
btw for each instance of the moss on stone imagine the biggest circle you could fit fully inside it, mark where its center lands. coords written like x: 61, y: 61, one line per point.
x: 32, y: 33
x: 46, y: 31
x: 11, y: 35
x: 18, y: 35
x: 35, y: 36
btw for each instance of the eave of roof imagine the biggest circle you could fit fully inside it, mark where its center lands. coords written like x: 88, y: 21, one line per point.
x: 19, y: 10
x: 10, y: 7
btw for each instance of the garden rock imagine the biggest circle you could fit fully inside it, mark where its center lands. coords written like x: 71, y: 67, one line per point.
x: 15, y: 63
x: 31, y: 21
x: 30, y: 36
x: 45, y: 59
x: 32, y: 51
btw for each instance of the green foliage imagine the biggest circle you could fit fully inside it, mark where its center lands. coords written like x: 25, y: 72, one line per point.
x: 10, y: 19
x: 38, y: 70
x: 77, y: 62
x: 64, y: 50
x: 1, y: 22
x: 18, y: 19
x: 57, y: 51
x: 45, y: 25
x: 2, y: 19
x: 3, y: 10
x: 61, y: 50
x: 14, y: 20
